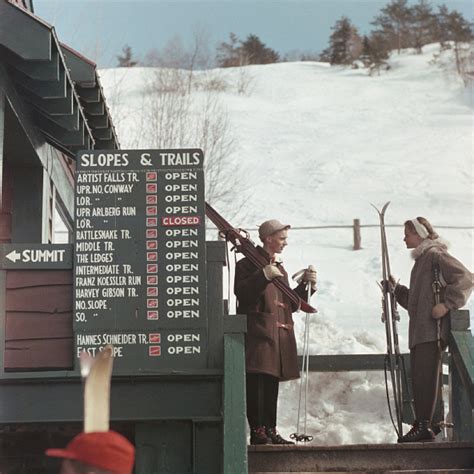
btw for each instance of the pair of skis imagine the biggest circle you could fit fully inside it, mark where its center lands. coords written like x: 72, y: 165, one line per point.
x: 394, y: 366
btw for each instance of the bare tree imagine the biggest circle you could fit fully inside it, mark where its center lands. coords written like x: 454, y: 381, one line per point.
x: 178, y: 116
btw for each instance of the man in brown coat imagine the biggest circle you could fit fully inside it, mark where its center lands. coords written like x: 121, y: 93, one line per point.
x: 270, y: 346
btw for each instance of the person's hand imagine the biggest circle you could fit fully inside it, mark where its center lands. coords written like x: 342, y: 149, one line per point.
x: 271, y: 272
x: 389, y: 284
x: 439, y: 310
x: 310, y: 276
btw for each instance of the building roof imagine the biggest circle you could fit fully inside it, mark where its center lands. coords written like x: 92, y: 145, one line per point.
x: 60, y: 85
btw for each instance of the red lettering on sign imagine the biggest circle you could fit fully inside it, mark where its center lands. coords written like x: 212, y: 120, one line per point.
x: 181, y: 220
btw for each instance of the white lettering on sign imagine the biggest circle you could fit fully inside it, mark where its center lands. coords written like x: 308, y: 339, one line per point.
x: 181, y: 232
x: 176, y: 176
x: 183, y: 290
x: 187, y: 313
x: 88, y: 246
x: 181, y: 187
x: 184, y: 350
x: 174, y: 244
x: 181, y: 198
x: 118, y: 188
x: 173, y: 159
x: 181, y: 255
x: 104, y: 159
x: 87, y: 292
x: 85, y: 281
x: 184, y: 337
x: 182, y: 302
x: 181, y: 209
x: 182, y: 267
x: 105, y: 211
x: 98, y: 270
x: 107, y: 234
x: 89, y: 177
x: 182, y: 279
x: 95, y: 304
x: 36, y: 256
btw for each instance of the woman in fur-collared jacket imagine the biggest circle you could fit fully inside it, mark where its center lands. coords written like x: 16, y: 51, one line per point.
x: 429, y: 322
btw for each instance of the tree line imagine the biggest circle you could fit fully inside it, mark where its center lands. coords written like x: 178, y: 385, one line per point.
x: 398, y: 25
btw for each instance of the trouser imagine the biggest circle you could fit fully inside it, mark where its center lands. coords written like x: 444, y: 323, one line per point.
x: 262, y: 396
x: 425, y: 361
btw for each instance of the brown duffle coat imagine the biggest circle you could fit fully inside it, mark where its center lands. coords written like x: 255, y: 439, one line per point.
x: 418, y: 299
x: 270, y: 345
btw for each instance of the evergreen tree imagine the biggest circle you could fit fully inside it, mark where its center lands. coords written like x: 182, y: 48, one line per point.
x: 459, y: 32
x: 422, y: 24
x: 393, y: 24
x: 345, y: 44
x: 375, y: 52
x: 126, y: 59
x: 441, y: 30
x: 255, y: 52
x: 229, y: 54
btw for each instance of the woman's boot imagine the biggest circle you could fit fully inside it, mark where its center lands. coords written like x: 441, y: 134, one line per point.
x: 420, y: 431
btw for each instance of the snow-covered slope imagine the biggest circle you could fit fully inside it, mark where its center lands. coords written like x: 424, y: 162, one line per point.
x: 315, y: 146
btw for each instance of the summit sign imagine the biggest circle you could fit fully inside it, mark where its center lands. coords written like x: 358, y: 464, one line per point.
x: 36, y: 256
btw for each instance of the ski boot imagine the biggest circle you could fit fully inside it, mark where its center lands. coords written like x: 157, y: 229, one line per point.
x: 275, y: 437
x: 258, y: 435
x: 420, y: 431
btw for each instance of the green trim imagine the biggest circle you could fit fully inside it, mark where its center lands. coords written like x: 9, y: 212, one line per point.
x: 235, y: 443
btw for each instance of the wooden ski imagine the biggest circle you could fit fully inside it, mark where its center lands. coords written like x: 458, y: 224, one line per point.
x: 97, y: 372
x: 242, y: 243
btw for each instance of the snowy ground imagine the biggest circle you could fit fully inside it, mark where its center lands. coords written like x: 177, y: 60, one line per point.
x: 315, y: 145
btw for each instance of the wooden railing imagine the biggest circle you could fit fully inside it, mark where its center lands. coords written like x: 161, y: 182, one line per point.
x: 460, y: 359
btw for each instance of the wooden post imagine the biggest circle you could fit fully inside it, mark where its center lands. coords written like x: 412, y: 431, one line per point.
x: 462, y: 376
x: 235, y: 442
x: 357, y: 237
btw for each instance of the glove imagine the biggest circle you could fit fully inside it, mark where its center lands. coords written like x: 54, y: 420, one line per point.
x: 271, y: 272
x: 439, y: 310
x: 392, y: 283
x: 310, y: 276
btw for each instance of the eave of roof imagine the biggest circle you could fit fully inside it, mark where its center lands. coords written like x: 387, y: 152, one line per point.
x: 61, y: 86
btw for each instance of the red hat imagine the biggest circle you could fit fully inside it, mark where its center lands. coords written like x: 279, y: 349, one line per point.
x: 107, y: 450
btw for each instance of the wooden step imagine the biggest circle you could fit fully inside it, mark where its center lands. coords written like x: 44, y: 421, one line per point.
x: 420, y: 458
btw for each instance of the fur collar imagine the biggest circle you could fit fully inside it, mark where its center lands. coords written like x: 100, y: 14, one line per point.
x: 427, y: 245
